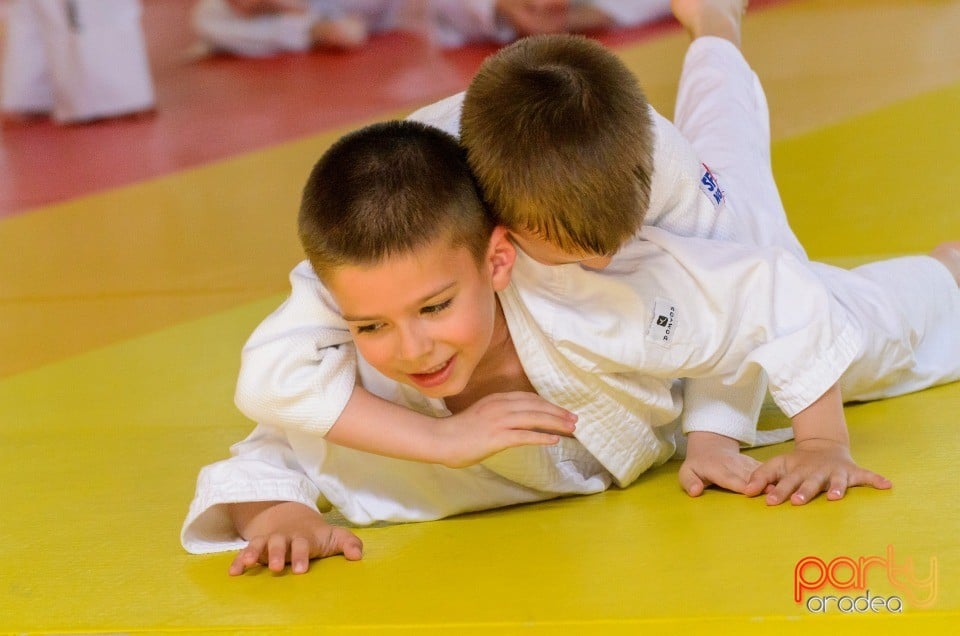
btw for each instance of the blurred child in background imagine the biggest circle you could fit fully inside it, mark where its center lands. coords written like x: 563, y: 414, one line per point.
x: 258, y: 28
x: 77, y: 60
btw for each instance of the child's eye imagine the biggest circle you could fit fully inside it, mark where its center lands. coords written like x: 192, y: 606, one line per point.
x: 371, y: 328
x: 436, y: 309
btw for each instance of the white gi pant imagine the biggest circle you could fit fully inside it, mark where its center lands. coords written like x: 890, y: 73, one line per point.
x: 76, y: 59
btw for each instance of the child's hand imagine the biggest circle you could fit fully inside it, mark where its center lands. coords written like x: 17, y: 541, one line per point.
x: 812, y: 467
x: 714, y: 459
x: 497, y: 422
x: 288, y: 532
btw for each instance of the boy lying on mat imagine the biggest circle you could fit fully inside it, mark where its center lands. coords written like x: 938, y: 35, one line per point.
x: 467, y: 343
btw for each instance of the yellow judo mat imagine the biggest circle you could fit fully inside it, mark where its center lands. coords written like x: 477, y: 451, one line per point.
x: 119, y: 344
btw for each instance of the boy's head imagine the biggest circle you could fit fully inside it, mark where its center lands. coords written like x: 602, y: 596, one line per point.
x: 560, y: 138
x: 390, y: 189
x: 393, y: 224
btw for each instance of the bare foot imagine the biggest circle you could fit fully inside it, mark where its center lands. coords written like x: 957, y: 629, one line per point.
x: 949, y: 254
x: 345, y: 33
x: 719, y: 18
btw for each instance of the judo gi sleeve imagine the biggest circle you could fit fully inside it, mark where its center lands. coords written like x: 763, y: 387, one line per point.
x: 263, y: 468
x: 299, y: 367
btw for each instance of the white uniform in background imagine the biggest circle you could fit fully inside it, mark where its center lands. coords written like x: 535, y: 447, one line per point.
x: 224, y: 29
x: 77, y: 59
x: 459, y: 22
x: 450, y: 23
x: 606, y: 346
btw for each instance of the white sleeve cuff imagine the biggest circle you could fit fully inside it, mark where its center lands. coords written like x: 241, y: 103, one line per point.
x: 208, y: 527
x: 732, y: 410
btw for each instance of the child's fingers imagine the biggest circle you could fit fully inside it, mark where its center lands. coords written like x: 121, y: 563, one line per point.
x: 277, y: 545
x: 530, y: 400
x: 784, y: 489
x: 837, y: 488
x: 809, y: 488
x: 690, y: 481
x: 767, y: 474
x: 238, y: 565
x: 248, y: 556
x: 730, y: 480
x: 337, y: 540
x: 540, y: 421
x: 863, y: 477
x: 735, y: 474
x: 526, y: 402
x: 530, y: 438
x: 351, y: 544
x: 860, y: 477
x: 299, y: 555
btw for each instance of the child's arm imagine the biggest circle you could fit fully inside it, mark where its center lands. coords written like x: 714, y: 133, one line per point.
x: 743, y: 317
x: 281, y: 532
x: 820, y: 460
x: 492, y: 424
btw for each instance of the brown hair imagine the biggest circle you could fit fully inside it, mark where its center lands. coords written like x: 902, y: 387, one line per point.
x: 559, y: 135
x: 388, y: 189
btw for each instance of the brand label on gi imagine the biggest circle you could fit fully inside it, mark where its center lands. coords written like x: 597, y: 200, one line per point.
x: 663, y: 324
x: 710, y: 186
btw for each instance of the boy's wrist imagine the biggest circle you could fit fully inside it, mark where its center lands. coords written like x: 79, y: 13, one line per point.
x: 821, y: 443
x: 822, y: 420
x: 707, y: 439
x: 246, y: 514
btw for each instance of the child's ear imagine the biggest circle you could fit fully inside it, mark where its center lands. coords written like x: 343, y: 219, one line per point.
x: 501, y: 255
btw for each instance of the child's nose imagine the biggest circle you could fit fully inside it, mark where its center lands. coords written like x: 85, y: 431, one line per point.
x: 414, y: 343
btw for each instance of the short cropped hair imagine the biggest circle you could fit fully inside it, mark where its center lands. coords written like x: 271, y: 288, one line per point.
x: 559, y: 135
x: 389, y: 189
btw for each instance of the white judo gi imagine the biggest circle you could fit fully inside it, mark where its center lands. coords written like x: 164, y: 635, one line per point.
x: 606, y: 346
x: 291, y: 355
x: 450, y: 23
x: 76, y: 59
x: 614, y: 365
x: 224, y: 29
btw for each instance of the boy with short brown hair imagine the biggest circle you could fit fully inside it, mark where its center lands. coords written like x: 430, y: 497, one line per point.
x: 561, y: 137
x: 432, y: 338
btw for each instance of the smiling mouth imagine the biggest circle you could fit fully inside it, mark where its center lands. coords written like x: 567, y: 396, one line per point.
x: 434, y: 376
